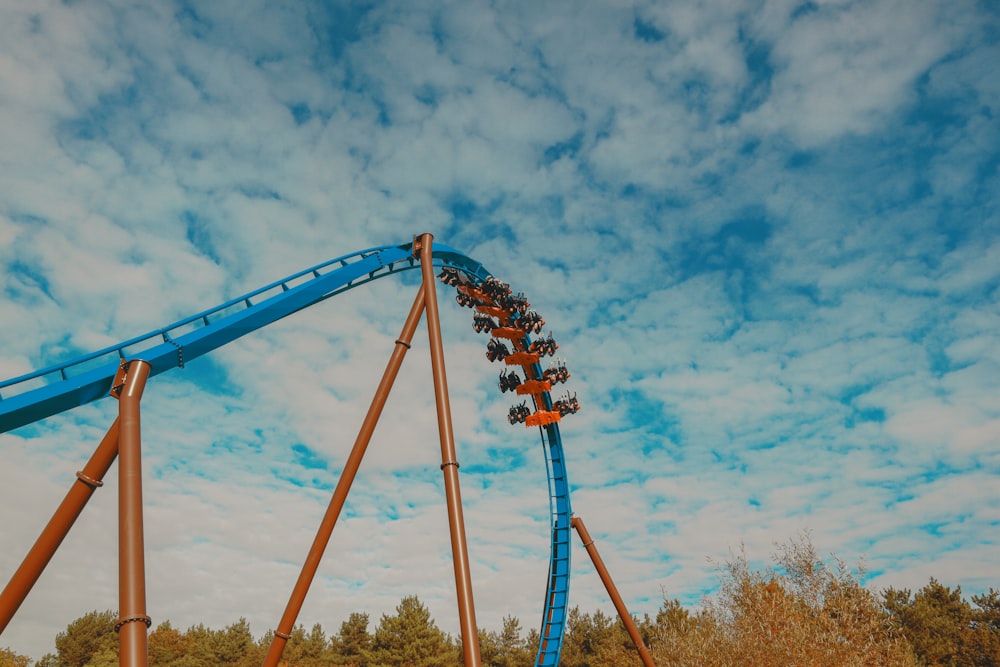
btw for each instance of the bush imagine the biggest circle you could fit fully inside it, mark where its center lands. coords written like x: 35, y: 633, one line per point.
x: 799, y: 611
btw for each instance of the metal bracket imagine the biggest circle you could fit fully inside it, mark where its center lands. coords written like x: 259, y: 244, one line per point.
x: 180, y: 350
x: 120, y: 377
x: 89, y: 481
x: 417, y: 245
x: 132, y: 619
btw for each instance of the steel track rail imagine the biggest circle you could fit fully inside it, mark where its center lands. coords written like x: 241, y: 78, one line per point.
x: 35, y: 396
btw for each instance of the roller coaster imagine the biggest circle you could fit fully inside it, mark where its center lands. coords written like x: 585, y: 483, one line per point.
x: 121, y: 371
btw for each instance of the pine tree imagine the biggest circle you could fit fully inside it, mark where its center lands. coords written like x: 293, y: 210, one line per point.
x: 307, y: 649
x: 410, y: 639
x: 353, y: 642
x: 982, y: 641
x: 944, y: 629
x: 85, y: 637
x: 10, y: 659
x: 531, y: 643
x: 932, y: 620
x: 592, y: 640
x: 233, y: 644
x: 513, y: 650
x: 165, y: 645
x: 489, y: 648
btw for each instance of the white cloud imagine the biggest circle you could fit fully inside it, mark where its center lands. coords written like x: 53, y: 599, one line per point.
x: 845, y: 70
x: 765, y: 243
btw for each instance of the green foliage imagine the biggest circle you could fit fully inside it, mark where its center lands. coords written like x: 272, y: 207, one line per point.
x: 85, y: 638
x: 489, y: 647
x: 308, y: 649
x: 592, y: 640
x: 944, y: 629
x: 507, y: 648
x: 166, y: 645
x: 353, y: 642
x: 10, y: 659
x: 106, y: 657
x: 410, y: 638
x: 801, y: 611
x: 988, y: 607
x: 515, y: 651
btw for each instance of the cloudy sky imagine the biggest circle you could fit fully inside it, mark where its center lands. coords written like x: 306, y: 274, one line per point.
x: 764, y: 232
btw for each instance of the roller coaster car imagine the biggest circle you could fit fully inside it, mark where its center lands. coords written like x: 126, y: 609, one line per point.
x: 518, y: 413
x: 466, y: 299
x: 451, y: 276
x: 515, y: 304
x: 496, y: 350
x: 509, y: 381
x: 483, y: 323
x: 544, y: 346
x: 475, y: 293
x: 530, y: 321
x: 447, y: 276
x: 556, y: 373
x: 494, y: 311
x: 521, y: 304
x: 568, y: 405
x: 495, y: 288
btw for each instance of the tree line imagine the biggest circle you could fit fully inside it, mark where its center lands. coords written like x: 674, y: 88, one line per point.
x: 799, y: 611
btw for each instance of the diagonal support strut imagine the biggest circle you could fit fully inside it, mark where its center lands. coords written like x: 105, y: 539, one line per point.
x: 609, y: 584
x: 87, y: 481
x: 322, y: 539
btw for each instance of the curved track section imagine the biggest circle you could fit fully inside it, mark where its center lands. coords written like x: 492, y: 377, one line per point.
x: 35, y: 396
x: 29, y: 398
x: 508, y: 317
x: 557, y: 591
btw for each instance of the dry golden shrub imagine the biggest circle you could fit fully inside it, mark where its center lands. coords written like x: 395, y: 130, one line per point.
x: 798, y: 612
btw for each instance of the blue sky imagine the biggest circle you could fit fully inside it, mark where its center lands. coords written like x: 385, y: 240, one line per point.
x: 765, y: 235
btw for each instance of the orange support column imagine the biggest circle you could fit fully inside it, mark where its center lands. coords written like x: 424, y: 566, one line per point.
x: 609, y: 584
x: 308, y: 572
x: 132, y: 619
x: 87, y: 480
x: 449, y: 464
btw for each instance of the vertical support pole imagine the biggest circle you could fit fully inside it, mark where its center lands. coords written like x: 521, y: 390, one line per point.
x: 87, y: 480
x: 132, y: 619
x: 609, y: 584
x: 449, y: 464
x: 319, y: 544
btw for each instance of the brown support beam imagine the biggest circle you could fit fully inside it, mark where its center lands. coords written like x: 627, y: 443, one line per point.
x: 133, y: 622
x: 319, y: 544
x: 449, y: 463
x: 609, y: 584
x: 87, y: 480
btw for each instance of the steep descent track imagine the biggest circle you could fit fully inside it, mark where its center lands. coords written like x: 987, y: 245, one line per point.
x: 35, y: 396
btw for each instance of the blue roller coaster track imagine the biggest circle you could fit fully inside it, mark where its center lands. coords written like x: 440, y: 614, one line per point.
x: 35, y: 396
